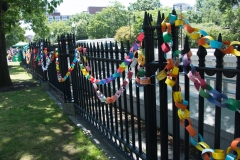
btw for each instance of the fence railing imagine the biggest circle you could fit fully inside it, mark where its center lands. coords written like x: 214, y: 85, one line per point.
x: 143, y: 122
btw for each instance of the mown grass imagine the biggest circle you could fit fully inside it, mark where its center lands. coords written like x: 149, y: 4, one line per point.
x: 33, y: 127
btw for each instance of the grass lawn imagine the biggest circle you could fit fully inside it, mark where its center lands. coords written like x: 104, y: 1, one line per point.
x: 33, y: 127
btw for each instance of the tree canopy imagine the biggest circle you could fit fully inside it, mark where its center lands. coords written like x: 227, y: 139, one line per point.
x: 106, y: 22
x: 144, y: 5
x: 14, y: 11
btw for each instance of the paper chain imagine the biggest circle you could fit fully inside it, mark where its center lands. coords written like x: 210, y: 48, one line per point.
x: 171, y: 72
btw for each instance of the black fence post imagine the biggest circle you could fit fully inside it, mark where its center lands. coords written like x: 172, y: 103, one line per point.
x: 218, y: 85
x: 163, y: 97
x: 176, y: 127
x: 63, y: 64
x: 150, y: 101
x: 186, y: 49
x: 201, y: 53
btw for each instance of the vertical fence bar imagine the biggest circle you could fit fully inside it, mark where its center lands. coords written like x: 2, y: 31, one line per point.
x: 104, y: 87
x: 201, y: 54
x: 163, y: 97
x: 100, y: 68
x: 149, y: 101
x: 113, y: 87
x: 186, y: 89
x: 218, y: 85
x: 120, y: 100
x: 91, y: 62
x: 176, y: 128
x: 108, y: 87
x: 118, y: 86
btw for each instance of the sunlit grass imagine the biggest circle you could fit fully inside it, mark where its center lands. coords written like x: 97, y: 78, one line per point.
x: 33, y: 127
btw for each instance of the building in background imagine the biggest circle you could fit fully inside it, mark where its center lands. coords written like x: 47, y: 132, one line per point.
x: 183, y: 7
x: 94, y: 9
x: 56, y: 16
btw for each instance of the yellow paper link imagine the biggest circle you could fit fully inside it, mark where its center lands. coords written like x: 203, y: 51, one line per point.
x: 170, y: 82
x: 179, y: 22
x: 164, y: 24
x: 185, y: 115
x: 237, y: 150
x: 141, y: 59
x: 208, y: 37
x: 177, y: 96
x: 201, y: 146
x: 234, y: 42
x: 161, y: 75
x: 195, y: 35
x: 218, y: 154
x: 84, y: 59
x: 175, y: 71
x: 236, y: 52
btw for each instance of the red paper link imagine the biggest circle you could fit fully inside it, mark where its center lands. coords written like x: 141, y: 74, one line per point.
x: 140, y: 37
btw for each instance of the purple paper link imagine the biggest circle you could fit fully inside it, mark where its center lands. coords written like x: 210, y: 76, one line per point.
x: 108, y: 80
x: 186, y: 61
x: 135, y: 46
x: 127, y: 62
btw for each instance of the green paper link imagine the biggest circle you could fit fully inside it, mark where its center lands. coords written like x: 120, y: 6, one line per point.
x: 233, y: 104
x: 176, y: 53
x: 203, y: 93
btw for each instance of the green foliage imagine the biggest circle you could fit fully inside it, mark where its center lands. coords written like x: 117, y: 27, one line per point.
x: 29, y: 11
x: 207, y: 12
x: 81, y: 21
x: 144, y: 5
x: 58, y: 28
x: 124, y: 34
x: 106, y: 23
x: 16, y: 35
x: 225, y: 5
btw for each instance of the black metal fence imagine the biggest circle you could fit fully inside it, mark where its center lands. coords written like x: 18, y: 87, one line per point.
x: 143, y: 122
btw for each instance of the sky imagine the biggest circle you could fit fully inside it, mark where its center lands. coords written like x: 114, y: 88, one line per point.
x: 70, y: 7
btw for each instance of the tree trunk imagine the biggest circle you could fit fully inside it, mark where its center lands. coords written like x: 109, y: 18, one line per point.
x: 5, y: 79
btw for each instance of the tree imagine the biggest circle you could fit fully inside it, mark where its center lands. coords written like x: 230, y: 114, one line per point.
x: 208, y: 11
x: 14, y: 11
x: 225, y: 5
x: 144, y: 5
x: 58, y: 28
x: 81, y: 20
x: 106, y: 22
x: 123, y: 34
x: 16, y: 35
